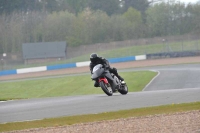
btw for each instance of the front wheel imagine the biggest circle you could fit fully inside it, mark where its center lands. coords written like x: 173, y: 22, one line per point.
x: 123, y: 90
x: 106, y: 88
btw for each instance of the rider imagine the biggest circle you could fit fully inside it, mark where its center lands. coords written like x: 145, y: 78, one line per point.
x: 95, y: 59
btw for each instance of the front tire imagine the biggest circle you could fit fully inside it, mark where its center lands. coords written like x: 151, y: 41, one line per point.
x: 106, y: 88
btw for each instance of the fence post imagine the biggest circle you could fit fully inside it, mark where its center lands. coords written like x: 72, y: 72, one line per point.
x: 182, y: 46
x: 197, y: 45
x: 2, y: 64
x: 163, y: 40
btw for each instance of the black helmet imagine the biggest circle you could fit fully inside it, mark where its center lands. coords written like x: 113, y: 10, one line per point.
x: 93, y: 57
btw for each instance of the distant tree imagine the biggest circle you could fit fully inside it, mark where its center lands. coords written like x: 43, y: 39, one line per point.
x: 133, y: 16
x: 117, y: 28
x: 134, y: 22
x: 57, y: 26
x: 88, y: 28
x: 193, y: 17
x: 140, y: 5
x: 108, y: 6
x: 9, y: 6
x: 73, y: 6
x: 47, y: 5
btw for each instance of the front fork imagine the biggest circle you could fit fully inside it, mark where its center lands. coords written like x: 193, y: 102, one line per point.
x: 104, y: 80
x: 113, y: 86
x: 107, y: 77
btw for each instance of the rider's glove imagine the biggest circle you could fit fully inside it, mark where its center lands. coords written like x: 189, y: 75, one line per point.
x: 105, y: 66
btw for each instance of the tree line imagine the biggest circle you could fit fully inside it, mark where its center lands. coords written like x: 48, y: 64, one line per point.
x: 73, y: 6
x: 84, y: 22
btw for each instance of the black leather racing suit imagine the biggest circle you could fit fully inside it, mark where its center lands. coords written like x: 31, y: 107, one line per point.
x: 106, y: 64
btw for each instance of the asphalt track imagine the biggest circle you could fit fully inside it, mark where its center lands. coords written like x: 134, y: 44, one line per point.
x: 173, y: 84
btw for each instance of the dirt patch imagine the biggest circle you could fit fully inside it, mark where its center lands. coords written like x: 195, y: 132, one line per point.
x: 185, y: 122
x: 124, y: 65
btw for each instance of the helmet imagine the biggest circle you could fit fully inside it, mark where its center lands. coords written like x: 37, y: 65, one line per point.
x: 93, y: 57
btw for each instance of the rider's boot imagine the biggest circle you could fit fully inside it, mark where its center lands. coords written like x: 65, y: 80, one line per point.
x: 122, y: 80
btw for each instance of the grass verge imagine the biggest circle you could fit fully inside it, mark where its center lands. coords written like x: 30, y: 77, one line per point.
x: 54, y: 122
x: 67, y: 86
x: 125, y: 51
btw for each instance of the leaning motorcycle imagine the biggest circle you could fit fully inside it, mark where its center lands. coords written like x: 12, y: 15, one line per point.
x: 108, y: 81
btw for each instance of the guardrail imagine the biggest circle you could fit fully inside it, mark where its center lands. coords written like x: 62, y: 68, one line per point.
x: 173, y: 54
x: 70, y: 65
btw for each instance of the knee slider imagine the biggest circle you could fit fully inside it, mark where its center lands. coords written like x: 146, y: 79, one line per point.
x: 115, y: 70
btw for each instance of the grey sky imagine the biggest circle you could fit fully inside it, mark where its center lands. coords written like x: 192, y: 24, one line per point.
x: 189, y: 1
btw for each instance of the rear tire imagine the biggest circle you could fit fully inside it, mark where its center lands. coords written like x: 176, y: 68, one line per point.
x: 106, y: 88
x: 123, y: 90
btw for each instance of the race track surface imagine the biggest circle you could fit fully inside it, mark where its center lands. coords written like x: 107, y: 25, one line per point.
x: 173, y: 84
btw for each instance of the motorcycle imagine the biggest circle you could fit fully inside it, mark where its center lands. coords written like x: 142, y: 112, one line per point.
x: 108, y: 82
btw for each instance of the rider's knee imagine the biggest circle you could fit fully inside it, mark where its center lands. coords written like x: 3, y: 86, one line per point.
x: 115, y: 69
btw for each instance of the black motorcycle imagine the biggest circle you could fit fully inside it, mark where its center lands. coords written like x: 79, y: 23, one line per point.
x: 108, y: 81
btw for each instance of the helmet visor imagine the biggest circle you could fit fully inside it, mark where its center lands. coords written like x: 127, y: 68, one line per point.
x: 93, y: 60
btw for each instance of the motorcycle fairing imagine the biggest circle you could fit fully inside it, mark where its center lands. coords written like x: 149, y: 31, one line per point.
x: 97, y: 71
x: 100, y: 72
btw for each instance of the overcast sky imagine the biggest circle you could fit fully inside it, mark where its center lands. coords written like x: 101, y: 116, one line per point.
x: 187, y: 1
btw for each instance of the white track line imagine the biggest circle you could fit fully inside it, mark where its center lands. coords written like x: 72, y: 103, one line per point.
x: 23, y: 121
x: 152, y: 79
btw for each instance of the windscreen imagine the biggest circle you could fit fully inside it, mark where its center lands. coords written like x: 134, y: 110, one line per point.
x: 96, y: 67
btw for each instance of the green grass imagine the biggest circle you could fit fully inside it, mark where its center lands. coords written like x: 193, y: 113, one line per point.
x: 67, y: 86
x: 144, y: 49
x: 62, y: 121
x: 126, y: 51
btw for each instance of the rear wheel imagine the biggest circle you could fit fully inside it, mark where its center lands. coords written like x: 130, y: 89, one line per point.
x: 106, y: 88
x: 123, y: 90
